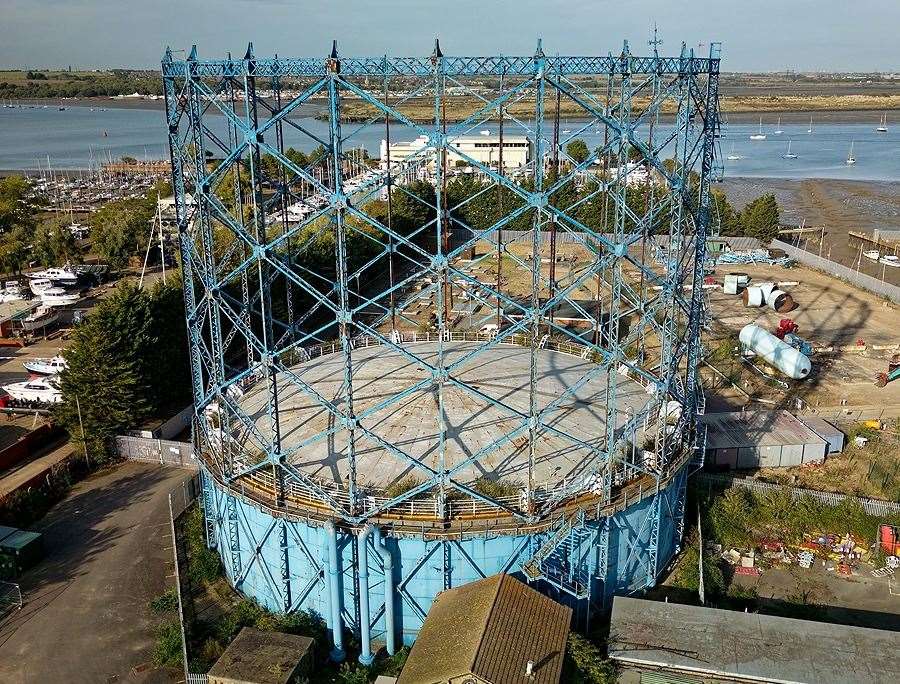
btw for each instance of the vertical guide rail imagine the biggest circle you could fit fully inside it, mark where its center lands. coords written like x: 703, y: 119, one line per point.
x: 539, y: 200
x: 500, y: 194
x: 345, y: 316
x: 695, y: 320
x: 619, y: 186
x: 260, y: 239
x: 441, y: 266
x: 390, y: 211
x: 174, y: 110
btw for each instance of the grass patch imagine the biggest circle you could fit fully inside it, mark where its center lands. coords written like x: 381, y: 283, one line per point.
x: 165, y: 602
x: 167, y: 652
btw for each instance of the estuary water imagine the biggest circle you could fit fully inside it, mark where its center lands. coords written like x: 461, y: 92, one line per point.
x: 80, y: 137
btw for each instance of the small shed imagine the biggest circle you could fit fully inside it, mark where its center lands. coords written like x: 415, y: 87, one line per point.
x: 760, y: 439
x: 497, y: 630
x: 258, y: 657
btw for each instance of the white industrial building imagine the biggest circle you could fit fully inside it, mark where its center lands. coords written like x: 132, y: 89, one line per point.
x: 485, y: 149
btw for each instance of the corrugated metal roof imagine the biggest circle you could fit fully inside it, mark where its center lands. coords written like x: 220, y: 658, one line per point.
x: 756, y: 428
x: 491, y: 629
x: 747, y: 646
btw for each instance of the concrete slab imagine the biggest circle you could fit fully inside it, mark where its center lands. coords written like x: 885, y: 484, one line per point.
x: 411, y: 424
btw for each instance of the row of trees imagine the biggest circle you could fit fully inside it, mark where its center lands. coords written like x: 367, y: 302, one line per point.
x: 39, y: 84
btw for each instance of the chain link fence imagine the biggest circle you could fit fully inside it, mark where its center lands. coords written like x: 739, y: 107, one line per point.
x: 874, y: 507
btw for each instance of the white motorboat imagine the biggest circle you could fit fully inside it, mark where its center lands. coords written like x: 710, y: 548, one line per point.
x: 760, y: 135
x: 57, y: 296
x: 882, y: 126
x: 789, y: 154
x: 51, y: 366
x: 872, y: 254
x: 38, y: 285
x: 890, y: 260
x: 40, y: 390
x: 40, y: 318
x: 850, y: 158
x: 59, y: 276
x: 11, y: 292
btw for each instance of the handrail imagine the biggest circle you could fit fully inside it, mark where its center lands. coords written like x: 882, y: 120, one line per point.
x: 302, y: 500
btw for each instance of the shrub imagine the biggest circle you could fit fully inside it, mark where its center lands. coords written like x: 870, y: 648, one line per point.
x: 584, y: 663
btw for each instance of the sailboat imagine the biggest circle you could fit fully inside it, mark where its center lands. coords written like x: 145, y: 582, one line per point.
x: 732, y: 156
x: 760, y: 135
x: 882, y: 127
x: 778, y: 130
x: 850, y: 158
x: 809, y: 130
x: 566, y: 131
x: 789, y: 154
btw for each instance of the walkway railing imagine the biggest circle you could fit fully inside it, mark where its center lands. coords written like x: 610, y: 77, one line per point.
x: 305, y: 499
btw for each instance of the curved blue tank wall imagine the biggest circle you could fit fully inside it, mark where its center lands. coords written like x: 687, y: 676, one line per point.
x: 282, y: 564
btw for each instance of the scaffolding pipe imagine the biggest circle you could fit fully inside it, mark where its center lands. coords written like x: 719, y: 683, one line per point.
x: 365, y: 618
x: 337, y: 653
x: 388, y: 563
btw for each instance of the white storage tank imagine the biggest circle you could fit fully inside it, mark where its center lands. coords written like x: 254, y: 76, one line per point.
x: 776, y: 352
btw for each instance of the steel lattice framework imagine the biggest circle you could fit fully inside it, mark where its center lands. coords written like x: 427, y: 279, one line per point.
x: 253, y: 218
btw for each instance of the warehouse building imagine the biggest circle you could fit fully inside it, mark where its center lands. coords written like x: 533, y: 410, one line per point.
x: 767, y: 439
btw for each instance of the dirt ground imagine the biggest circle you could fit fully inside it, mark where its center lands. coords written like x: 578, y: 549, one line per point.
x: 829, y: 313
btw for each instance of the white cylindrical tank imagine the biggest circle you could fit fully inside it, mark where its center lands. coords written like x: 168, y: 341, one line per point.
x: 780, y: 301
x: 766, y: 290
x: 776, y: 352
x: 753, y: 296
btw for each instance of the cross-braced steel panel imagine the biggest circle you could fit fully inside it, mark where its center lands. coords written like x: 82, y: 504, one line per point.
x: 442, y: 332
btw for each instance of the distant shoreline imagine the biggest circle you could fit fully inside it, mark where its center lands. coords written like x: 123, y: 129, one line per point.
x: 823, y: 115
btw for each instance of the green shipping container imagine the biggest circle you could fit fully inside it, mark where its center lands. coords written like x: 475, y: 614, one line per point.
x: 26, y: 548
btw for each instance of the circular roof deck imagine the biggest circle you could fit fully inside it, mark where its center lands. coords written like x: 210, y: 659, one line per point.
x: 485, y: 400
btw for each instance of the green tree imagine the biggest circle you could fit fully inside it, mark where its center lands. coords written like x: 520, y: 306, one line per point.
x: 14, y: 207
x: 578, y: 150
x: 128, y: 362
x: 14, y: 251
x: 760, y: 218
x: 53, y: 243
x: 120, y: 229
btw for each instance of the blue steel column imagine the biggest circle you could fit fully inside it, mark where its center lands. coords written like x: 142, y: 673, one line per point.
x: 345, y: 317
x: 539, y: 201
x: 268, y: 361
x: 440, y: 266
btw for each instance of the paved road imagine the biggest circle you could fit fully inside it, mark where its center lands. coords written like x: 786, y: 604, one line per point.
x: 86, y: 616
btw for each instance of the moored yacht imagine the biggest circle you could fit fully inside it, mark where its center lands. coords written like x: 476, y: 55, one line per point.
x: 59, y: 276
x: 51, y: 366
x: 57, y: 296
x: 39, y: 390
